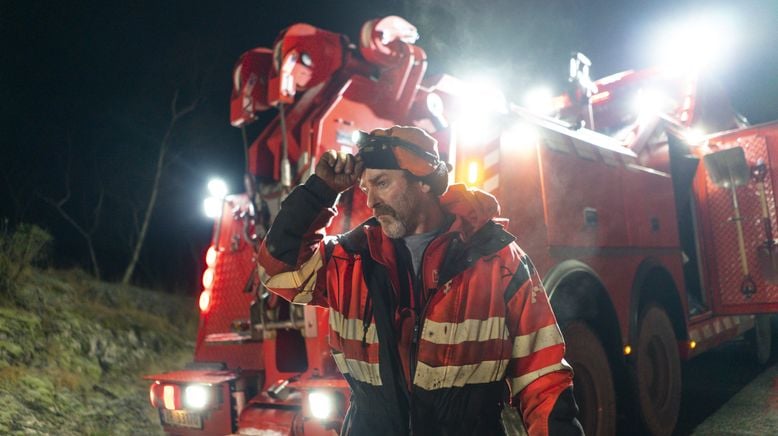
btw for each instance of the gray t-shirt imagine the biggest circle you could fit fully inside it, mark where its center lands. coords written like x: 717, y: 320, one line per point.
x: 417, y: 244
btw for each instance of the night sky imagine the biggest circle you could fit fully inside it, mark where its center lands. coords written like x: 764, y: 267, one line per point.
x: 86, y: 90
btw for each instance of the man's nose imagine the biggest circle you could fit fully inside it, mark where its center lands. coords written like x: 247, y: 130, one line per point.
x: 372, y: 199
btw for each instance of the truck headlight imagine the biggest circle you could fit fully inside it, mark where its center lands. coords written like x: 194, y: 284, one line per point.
x: 321, y: 404
x: 217, y: 188
x: 212, y: 207
x: 196, y: 397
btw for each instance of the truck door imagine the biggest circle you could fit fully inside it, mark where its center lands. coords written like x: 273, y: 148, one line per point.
x: 736, y: 220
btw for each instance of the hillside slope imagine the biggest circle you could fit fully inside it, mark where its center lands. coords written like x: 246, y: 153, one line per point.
x: 73, y: 349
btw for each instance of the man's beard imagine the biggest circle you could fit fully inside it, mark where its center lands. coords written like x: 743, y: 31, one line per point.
x: 391, y: 224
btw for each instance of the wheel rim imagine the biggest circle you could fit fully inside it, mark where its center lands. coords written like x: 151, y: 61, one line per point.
x: 656, y: 373
x: 594, y: 392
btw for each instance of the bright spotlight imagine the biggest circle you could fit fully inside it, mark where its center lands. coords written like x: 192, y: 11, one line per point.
x: 540, y: 100
x: 650, y: 102
x: 481, y: 102
x: 217, y: 188
x: 195, y: 397
x: 484, y: 95
x: 520, y: 135
x: 477, y: 131
x: 321, y: 405
x: 695, y: 135
x: 212, y: 207
x: 695, y: 44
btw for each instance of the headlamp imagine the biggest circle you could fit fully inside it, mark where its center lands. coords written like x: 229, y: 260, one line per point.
x: 393, y: 153
x: 367, y: 143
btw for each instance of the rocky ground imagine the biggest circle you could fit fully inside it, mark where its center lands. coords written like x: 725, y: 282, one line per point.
x: 73, y: 351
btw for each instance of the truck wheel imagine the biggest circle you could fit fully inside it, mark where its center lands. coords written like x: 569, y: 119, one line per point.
x: 592, y: 382
x: 656, y: 372
x: 761, y: 338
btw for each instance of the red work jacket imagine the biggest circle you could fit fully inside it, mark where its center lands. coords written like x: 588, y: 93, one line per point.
x: 484, y: 321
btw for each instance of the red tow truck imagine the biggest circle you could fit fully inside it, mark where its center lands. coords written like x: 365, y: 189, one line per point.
x: 654, y: 241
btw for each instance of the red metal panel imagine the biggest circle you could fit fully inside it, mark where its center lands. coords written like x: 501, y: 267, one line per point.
x: 229, y: 301
x: 332, y: 124
x: 522, y: 201
x: 650, y: 204
x: 574, y: 181
x: 722, y: 259
x: 271, y: 421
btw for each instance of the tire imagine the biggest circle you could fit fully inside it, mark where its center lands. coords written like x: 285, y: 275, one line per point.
x: 592, y: 380
x: 656, y: 372
x: 761, y: 338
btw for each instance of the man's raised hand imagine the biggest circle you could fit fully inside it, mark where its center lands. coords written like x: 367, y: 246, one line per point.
x: 339, y: 170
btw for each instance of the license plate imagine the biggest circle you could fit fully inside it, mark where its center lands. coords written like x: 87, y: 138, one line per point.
x: 182, y: 418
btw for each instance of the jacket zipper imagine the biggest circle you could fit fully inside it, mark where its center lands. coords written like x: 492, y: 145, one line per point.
x: 417, y: 327
x: 418, y: 286
x: 419, y: 322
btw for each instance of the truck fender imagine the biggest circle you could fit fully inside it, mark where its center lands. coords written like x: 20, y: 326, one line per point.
x: 654, y: 283
x: 561, y: 273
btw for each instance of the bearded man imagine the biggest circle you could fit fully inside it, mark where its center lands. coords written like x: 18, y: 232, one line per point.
x: 438, y: 319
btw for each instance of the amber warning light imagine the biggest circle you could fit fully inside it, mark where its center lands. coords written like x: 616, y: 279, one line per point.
x: 209, y: 276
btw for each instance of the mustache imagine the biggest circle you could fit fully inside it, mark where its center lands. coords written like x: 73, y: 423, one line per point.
x: 384, y: 210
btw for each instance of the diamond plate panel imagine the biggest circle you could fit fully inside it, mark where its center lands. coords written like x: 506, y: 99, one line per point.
x: 726, y: 259
x: 229, y: 301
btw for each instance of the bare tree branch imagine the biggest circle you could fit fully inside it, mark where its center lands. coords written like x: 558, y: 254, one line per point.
x: 175, y: 115
x: 87, y: 234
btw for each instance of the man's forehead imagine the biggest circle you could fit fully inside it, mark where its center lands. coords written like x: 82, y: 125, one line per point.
x: 370, y: 175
